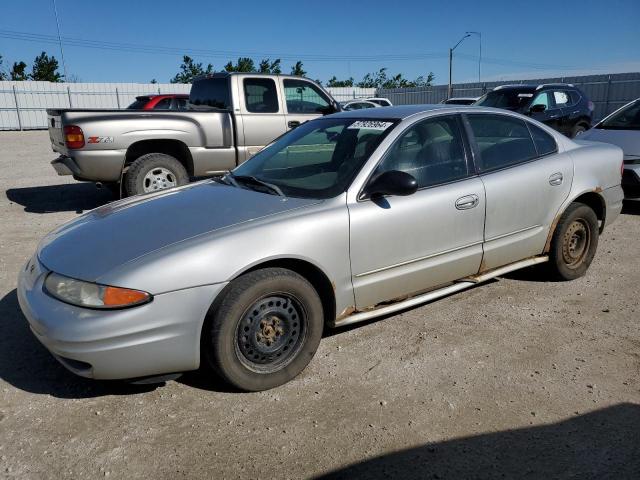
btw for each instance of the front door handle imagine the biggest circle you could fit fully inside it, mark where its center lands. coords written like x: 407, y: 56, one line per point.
x: 293, y: 124
x: 467, y: 202
x: 556, y: 179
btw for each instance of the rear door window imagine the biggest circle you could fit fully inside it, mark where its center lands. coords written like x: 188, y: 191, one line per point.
x: 561, y: 98
x: 304, y: 97
x: 545, y: 143
x: 260, y: 95
x: 503, y: 141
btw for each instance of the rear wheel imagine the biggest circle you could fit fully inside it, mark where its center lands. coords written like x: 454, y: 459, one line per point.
x: 265, y: 329
x: 153, y: 172
x: 574, y: 242
x: 578, y: 130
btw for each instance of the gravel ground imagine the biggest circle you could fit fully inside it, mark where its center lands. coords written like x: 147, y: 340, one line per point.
x: 517, y: 377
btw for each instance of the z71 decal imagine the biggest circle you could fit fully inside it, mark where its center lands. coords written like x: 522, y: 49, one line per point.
x: 100, y: 140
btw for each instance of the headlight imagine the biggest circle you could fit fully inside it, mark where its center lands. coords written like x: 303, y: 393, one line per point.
x: 92, y: 295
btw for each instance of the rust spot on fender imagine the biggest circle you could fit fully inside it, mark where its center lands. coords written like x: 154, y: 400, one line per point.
x: 598, y: 189
x: 552, y: 229
x: 350, y: 310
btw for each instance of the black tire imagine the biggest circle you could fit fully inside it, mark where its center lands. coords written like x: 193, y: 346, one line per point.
x: 167, y: 167
x: 574, y: 242
x: 264, y: 330
x: 578, y: 130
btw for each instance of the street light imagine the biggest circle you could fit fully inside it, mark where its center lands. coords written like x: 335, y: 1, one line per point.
x: 480, y: 56
x: 451, y: 62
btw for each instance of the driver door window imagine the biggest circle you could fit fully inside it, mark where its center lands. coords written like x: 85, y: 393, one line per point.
x: 542, y: 99
x: 304, y: 98
x: 431, y: 151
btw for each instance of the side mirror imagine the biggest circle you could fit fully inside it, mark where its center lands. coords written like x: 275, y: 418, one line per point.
x: 393, y: 182
x: 538, y: 108
x: 333, y: 107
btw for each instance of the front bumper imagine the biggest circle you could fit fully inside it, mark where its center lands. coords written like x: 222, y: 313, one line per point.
x: 160, y: 337
x: 631, y: 181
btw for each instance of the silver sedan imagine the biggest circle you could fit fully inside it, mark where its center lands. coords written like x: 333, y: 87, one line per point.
x: 622, y: 128
x: 345, y: 218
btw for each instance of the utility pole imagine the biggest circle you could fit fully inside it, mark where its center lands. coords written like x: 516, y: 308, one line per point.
x: 64, y: 64
x: 479, y: 34
x: 451, y: 64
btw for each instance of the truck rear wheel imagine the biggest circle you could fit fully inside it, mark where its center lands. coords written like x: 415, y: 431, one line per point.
x: 153, y: 172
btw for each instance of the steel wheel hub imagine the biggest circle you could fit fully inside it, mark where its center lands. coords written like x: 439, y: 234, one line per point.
x: 159, y: 179
x: 270, y: 333
x: 576, y: 242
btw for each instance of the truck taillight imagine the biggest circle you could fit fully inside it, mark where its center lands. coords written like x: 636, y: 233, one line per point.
x: 73, y: 136
x: 622, y: 169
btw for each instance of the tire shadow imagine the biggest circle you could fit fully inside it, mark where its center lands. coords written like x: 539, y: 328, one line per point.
x: 600, y: 444
x: 72, y: 197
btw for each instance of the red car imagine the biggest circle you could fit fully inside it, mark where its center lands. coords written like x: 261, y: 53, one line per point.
x: 173, y: 101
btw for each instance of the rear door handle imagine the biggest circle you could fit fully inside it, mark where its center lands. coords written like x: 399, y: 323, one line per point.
x: 467, y: 202
x: 293, y: 124
x: 556, y: 179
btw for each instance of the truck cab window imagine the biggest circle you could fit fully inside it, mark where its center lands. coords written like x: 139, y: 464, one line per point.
x: 304, y: 97
x: 260, y: 95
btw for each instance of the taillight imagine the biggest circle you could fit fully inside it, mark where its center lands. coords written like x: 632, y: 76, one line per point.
x: 622, y: 169
x: 73, y: 136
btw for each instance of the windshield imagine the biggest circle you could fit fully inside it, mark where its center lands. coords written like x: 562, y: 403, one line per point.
x: 626, y: 119
x: 508, y: 99
x: 319, y: 159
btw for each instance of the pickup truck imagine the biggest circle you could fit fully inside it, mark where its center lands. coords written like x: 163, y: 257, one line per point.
x: 230, y: 117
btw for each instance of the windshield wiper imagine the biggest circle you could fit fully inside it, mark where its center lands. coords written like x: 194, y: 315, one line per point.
x: 256, y: 181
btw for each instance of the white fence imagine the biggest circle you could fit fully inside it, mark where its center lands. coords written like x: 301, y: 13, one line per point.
x: 23, y: 104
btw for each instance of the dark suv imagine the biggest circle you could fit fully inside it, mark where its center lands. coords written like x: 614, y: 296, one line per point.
x: 562, y: 106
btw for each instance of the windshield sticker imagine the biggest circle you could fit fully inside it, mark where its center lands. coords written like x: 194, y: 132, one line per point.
x: 370, y: 124
x: 525, y: 95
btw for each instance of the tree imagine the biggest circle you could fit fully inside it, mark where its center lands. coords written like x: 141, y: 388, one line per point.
x: 297, y: 69
x: 45, y: 69
x: 17, y: 72
x: 380, y: 79
x: 189, y: 70
x: 334, y: 82
x: 153, y: 80
x: 244, y: 64
x: 3, y: 75
x: 267, y: 66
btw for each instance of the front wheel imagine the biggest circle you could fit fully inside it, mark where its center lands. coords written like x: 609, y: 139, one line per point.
x: 265, y: 329
x: 574, y: 242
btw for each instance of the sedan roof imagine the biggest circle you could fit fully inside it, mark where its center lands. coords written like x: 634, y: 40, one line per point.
x: 398, y: 111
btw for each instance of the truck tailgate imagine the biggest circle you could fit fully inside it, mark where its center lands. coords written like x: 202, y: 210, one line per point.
x: 56, y: 135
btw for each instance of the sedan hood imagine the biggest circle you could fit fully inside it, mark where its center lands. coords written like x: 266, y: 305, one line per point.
x: 627, y: 140
x: 114, y: 234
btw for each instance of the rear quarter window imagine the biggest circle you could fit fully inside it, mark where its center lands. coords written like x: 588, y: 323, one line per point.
x: 211, y: 92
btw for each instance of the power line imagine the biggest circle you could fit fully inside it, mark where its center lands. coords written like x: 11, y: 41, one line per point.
x: 226, y: 54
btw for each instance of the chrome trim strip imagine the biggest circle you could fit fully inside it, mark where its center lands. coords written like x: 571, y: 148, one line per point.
x: 498, y: 237
x: 426, y: 257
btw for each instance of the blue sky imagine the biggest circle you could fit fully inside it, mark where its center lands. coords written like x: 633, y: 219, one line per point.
x: 345, y: 38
